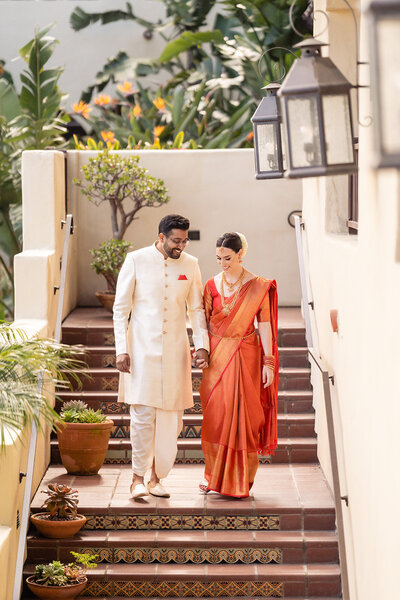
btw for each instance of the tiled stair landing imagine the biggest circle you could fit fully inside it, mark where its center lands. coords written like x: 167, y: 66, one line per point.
x: 279, y: 543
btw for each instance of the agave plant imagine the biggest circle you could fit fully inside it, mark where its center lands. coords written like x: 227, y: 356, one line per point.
x: 21, y: 361
x: 61, y: 502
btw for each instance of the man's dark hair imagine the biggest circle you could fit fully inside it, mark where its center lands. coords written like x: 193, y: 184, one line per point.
x: 170, y: 222
x: 230, y: 240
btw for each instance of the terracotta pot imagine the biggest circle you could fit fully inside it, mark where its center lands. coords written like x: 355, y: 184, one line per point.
x: 83, y: 446
x: 57, y: 529
x: 67, y: 592
x: 106, y: 299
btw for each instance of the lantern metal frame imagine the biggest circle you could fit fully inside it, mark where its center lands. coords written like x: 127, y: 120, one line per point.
x: 380, y: 8
x: 315, y: 76
x: 268, y: 113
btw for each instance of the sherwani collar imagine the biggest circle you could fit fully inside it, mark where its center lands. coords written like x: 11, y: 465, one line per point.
x: 160, y: 256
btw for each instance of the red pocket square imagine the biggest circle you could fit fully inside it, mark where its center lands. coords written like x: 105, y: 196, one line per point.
x: 182, y: 277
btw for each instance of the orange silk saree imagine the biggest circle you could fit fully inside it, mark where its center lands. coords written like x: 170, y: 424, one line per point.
x: 239, y: 414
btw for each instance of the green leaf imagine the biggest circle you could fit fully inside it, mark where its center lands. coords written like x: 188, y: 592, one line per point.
x: 187, y: 40
x: 9, y: 103
x: 178, y: 140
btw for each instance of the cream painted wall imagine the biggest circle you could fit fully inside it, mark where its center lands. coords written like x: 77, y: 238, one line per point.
x: 89, y: 48
x: 12, y: 462
x: 360, y: 277
x: 217, y: 191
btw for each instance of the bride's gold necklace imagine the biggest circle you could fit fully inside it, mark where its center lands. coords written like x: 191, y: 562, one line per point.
x: 226, y: 308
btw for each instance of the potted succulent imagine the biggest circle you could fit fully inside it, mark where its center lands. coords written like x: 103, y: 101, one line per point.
x: 61, y: 519
x: 83, y: 435
x: 59, y: 580
x: 107, y: 261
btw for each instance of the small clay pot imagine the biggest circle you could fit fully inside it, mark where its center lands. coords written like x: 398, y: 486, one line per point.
x: 106, y: 299
x: 57, y: 529
x: 83, y: 446
x: 54, y: 592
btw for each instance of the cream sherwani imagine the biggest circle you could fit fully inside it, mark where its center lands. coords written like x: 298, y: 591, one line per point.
x: 156, y: 292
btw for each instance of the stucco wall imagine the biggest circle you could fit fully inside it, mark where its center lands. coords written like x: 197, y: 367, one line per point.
x: 216, y: 190
x: 360, y: 277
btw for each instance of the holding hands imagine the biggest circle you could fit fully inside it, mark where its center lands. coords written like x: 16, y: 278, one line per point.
x: 200, y: 358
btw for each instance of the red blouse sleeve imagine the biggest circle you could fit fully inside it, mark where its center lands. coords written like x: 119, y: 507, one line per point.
x: 264, y: 314
x: 208, y: 301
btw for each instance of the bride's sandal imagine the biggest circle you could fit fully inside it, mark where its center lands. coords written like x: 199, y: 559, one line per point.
x: 203, y: 486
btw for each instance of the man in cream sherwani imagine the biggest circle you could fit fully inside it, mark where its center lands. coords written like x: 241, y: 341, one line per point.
x: 155, y: 285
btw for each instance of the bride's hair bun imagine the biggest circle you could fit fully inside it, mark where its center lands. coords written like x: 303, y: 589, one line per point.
x: 244, y: 242
x: 234, y: 240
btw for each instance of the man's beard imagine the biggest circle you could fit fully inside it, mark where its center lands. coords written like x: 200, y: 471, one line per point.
x: 171, y: 252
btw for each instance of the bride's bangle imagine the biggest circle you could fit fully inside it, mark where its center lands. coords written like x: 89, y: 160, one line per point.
x: 269, y: 361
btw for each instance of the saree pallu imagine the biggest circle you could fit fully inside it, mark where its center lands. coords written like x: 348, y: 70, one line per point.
x: 239, y: 414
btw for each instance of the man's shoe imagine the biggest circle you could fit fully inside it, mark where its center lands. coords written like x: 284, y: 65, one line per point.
x: 138, y: 490
x: 158, y: 490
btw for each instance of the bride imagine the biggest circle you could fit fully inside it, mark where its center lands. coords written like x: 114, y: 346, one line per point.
x: 239, y: 388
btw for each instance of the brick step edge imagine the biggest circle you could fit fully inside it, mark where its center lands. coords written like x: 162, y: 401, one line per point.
x: 215, y: 580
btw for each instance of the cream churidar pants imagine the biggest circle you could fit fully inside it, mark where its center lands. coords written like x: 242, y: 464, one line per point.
x: 154, y: 435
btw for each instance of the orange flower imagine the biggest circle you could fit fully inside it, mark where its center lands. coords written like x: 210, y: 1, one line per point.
x: 136, y: 111
x: 108, y: 136
x: 82, y: 109
x: 159, y: 103
x: 157, y: 131
x: 250, y: 137
x: 102, y: 100
x: 125, y: 88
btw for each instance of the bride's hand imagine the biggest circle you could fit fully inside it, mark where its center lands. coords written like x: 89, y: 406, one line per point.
x: 267, y: 376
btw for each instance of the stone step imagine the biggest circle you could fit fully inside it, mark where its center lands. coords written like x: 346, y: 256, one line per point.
x: 106, y: 379
x: 92, y: 326
x: 196, y: 547
x: 104, y: 357
x: 293, y: 450
x: 283, y: 498
x: 159, y: 580
x: 288, y: 401
x: 297, y: 425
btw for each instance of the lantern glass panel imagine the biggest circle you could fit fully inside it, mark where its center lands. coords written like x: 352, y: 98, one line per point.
x: 267, y: 147
x: 337, y: 126
x: 303, y: 129
x: 388, y: 46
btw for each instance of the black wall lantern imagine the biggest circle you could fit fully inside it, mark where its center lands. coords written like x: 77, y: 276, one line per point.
x: 316, y: 112
x: 267, y: 121
x: 384, y: 16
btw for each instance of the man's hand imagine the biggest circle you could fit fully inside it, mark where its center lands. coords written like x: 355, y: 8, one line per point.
x: 201, y: 358
x: 123, y: 363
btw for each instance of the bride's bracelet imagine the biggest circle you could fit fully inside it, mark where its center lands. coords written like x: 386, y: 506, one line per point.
x: 269, y: 361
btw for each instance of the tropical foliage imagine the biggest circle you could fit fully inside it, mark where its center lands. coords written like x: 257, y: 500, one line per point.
x: 32, y: 120
x: 214, y: 78
x: 22, y: 400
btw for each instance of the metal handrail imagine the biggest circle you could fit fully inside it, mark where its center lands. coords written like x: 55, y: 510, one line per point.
x: 326, y: 379
x: 33, y: 437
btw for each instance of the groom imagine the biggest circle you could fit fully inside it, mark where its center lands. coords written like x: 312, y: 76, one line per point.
x: 155, y: 285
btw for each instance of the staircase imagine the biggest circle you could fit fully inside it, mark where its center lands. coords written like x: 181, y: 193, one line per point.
x: 279, y: 543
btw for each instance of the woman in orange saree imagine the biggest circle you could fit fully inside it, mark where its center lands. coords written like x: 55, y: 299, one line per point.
x: 239, y: 388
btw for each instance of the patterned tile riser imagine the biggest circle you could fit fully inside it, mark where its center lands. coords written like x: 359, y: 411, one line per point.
x: 189, y: 431
x: 182, y: 589
x: 186, y: 522
x: 189, y: 460
x: 186, y: 555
